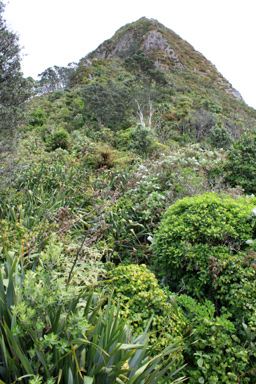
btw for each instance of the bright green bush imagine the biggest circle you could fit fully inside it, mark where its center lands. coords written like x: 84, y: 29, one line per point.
x: 140, y: 298
x: 60, y: 139
x: 124, y: 137
x: 240, y: 168
x: 196, y: 235
x: 37, y: 118
x: 236, y: 288
x: 213, y: 352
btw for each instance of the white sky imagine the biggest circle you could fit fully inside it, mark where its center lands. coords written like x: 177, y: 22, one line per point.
x: 57, y: 32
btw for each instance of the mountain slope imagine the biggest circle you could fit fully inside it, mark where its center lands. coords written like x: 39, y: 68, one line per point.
x: 147, y: 74
x: 99, y: 163
x: 163, y: 46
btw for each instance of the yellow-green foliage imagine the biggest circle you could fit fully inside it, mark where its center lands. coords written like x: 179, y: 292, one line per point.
x: 124, y: 137
x: 140, y: 297
x: 52, y: 329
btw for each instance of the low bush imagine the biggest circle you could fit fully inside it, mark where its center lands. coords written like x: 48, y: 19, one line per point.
x: 213, y: 352
x: 143, y: 140
x: 235, y: 288
x: 52, y: 329
x: 140, y: 298
x: 220, y: 137
x: 198, y: 234
x: 60, y: 139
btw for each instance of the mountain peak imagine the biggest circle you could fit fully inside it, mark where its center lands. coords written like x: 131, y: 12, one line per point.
x: 161, y: 44
x: 168, y: 50
x: 147, y: 35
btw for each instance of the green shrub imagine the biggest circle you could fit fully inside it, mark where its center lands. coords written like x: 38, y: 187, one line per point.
x: 51, y: 329
x: 57, y: 94
x: 240, y: 168
x: 143, y: 140
x: 124, y: 138
x: 220, y: 137
x: 127, y: 228
x: 60, y: 139
x: 236, y: 288
x: 78, y: 121
x: 213, y: 353
x: 212, y: 106
x: 140, y: 298
x: 37, y: 118
x: 196, y: 235
x: 100, y: 155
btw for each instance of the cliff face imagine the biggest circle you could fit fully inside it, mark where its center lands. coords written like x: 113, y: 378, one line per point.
x: 168, y: 51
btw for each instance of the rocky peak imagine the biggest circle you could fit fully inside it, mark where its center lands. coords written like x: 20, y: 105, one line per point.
x: 168, y: 50
x: 146, y: 35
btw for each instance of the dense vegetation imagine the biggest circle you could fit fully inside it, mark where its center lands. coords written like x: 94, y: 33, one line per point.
x: 128, y: 221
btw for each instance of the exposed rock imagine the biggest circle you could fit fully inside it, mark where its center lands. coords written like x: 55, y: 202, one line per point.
x: 123, y: 44
x: 234, y: 93
x: 104, y: 51
x: 163, y: 46
x: 155, y: 41
x: 230, y: 90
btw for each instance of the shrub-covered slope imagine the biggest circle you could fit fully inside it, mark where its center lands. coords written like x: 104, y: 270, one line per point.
x: 128, y: 222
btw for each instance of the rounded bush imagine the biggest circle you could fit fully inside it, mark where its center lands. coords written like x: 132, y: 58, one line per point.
x: 211, y: 347
x: 196, y: 235
x: 140, y: 298
x: 143, y: 140
x: 60, y: 139
x: 220, y: 137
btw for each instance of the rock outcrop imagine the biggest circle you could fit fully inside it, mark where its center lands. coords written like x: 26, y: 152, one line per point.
x: 168, y: 51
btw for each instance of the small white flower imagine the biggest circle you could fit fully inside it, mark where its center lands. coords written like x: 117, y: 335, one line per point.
x: 249, y: 241
x: 150, y: 238
x: 254, y: 211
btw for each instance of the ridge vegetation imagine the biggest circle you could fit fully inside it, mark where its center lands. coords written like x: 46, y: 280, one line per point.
x: 127, y: 215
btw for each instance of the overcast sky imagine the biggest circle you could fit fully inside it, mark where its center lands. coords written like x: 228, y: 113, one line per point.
x: 57, y: 32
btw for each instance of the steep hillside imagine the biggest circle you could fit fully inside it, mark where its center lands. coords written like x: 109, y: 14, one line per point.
x: 131, y: 184
x: 163, y: 46
x: 170, y: 87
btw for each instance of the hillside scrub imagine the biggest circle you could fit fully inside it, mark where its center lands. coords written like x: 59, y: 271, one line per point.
x: 127, y: 243
x: 52, y: 329
x: 240, y: 168
x: 204, y: 246
x: 212, y: 350
x: 197, y: 235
